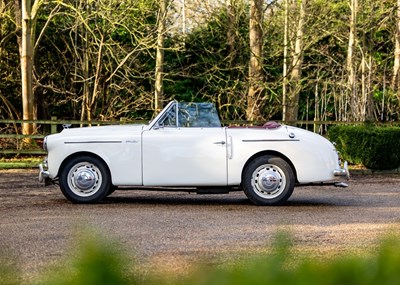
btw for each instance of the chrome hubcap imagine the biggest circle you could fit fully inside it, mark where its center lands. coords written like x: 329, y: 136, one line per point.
x: 84, y: 179
x: 268, y: 181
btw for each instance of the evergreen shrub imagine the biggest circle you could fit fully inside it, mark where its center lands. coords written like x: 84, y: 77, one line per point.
x: 375, y: 147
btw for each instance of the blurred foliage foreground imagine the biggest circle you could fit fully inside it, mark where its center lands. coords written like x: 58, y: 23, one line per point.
x: 97, y: 261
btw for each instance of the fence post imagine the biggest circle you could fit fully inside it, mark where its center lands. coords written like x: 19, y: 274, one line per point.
x: 316, y: 126
x: 53, y: 127
x: 123, y: 120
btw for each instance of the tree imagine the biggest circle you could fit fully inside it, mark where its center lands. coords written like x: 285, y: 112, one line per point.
x: 106, y: 59
x: 28, y: 12
x: 9, y: 62
x: 350, y: 65
x: 294, y: 82
x: 159, y: 73
x: 396, y: 65
x: 256, y: 78
x: 285, y: 58
x: 103, y: 59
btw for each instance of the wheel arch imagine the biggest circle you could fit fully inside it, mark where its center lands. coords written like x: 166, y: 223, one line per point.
x: 270, y: 152
x: 83, y: 153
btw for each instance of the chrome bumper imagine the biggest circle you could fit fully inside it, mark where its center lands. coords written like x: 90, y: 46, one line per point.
x: 44, y: 175
x: 344, y: 171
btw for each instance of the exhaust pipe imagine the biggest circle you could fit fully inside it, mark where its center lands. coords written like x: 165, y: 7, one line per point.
x: 341, y: 184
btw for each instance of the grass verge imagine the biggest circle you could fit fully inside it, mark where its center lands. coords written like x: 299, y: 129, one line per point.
x: 16, y: 163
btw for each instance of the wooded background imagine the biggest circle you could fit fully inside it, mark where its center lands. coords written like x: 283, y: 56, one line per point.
x: 257, y: 60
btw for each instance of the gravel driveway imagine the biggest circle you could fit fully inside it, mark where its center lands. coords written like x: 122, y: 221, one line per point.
x: 37, y: 224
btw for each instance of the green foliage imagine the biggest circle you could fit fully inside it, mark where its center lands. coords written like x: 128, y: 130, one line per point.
x: 208, y: 68
x: 97, y: 261
x: 201, y: 65
x: 280, y: 268
x: 9, y: 273
x: 374, y: 147
x: 113, y: 39
x: 21, y: 162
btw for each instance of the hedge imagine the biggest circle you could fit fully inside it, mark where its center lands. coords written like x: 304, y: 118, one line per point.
x: 375, y: 147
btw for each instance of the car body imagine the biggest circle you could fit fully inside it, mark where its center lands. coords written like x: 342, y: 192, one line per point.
x: 186, y: 148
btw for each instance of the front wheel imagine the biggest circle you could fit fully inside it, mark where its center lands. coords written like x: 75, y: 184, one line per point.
x: 85, y: 179
x: 268, y: 180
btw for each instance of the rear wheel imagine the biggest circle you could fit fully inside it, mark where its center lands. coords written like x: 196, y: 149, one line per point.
x: 111, y: 190
x: 85, y: 179
x: 268, y: 180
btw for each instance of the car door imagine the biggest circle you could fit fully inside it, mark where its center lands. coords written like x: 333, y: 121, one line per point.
x: 179, y: 156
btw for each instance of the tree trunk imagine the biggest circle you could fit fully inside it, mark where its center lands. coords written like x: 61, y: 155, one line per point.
x: 370, y: 99
x: 230, y: 34
x: 256, y: 90
x: 294, y: 86
x: 184, y: 17
x: 25, y: 15
x: 351, y: 76
x: 26, y: 55
x: 366, y: 106
x: 86, y: 111
x: 159, y: 73
x: 396, y: 66
x: 285, y: 60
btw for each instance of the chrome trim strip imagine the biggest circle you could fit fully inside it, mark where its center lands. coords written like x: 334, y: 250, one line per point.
x: 273, y: 140
x: 83, y: 142
x: 154, y: 122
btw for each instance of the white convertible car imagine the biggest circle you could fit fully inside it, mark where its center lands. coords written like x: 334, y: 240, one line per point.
x: 186, y: 148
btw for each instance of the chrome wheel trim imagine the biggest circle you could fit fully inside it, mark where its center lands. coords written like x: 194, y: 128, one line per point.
x: 84, y: 179
x: 268, y: 181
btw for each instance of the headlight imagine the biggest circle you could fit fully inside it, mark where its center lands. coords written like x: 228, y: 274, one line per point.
x: 45, y: 143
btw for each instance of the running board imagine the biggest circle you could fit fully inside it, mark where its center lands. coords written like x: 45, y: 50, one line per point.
x: 336, y: 184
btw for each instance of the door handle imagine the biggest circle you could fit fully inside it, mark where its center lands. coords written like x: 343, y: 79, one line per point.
x: 230, y: 148
x: 221, y: 143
